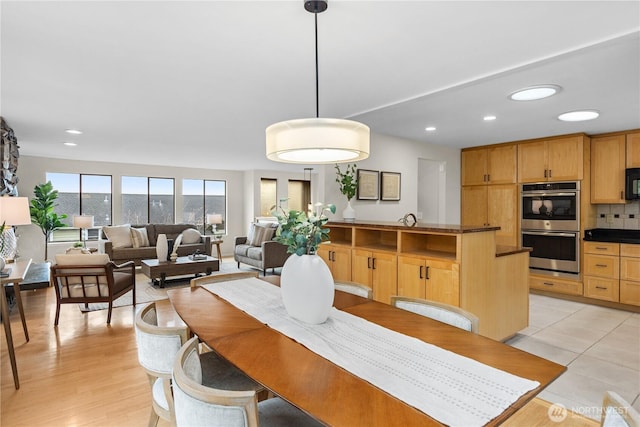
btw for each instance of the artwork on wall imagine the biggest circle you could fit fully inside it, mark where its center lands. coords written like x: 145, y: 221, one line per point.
x: 367, y: 184
x: 389, y: 185
x: 9, y: 160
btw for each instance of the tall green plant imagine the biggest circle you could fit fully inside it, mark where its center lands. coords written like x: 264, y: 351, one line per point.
x: 42, y: 211
x: 347, y: 180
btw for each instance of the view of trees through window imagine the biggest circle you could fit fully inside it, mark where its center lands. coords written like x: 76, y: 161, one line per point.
x: 148, y: 200
x: 202, y: 197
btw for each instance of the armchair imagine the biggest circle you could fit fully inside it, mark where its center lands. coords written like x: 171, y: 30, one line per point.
x: 83, y: 278
x: 258, y: 250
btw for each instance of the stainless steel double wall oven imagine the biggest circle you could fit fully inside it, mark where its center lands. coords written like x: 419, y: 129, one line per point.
x: 550, y: 224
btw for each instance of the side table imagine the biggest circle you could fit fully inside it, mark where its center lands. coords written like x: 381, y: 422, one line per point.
x: 218, y: 243
x: 18, y: 271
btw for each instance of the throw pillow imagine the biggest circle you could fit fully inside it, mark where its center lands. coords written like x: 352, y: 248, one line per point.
x: 120, y: 235
x: 261, y: 234
x: 139, y: 237
x: 190, y: 236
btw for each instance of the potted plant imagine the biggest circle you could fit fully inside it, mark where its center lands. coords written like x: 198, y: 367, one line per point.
x: 42, y: 211
x: 348, y: 183
x: 306, y: 282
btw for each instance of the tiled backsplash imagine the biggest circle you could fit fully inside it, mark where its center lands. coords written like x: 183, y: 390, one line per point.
x: 625, y: 217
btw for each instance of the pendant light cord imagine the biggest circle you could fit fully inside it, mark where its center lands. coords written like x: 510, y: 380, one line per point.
x: 315, y: 15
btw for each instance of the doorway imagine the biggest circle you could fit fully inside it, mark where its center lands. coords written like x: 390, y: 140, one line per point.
x: 431, y: 191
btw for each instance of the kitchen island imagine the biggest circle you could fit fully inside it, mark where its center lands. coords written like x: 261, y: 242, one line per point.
x: 453, y: 264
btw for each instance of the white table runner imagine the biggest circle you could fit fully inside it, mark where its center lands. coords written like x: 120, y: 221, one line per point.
x: 450, y: 388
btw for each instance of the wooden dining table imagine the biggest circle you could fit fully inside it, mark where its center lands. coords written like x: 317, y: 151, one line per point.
x: 326, y: 391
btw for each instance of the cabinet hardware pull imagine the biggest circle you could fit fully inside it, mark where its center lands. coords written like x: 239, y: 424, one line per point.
x: 421, y: 267
x: 547, y: 283
x: 601, y: 265
x: 545, y: 173
x: 333, y: 255
x: 600, y: 248
x: 601, y: 287
x: 622, y: 195
x: 426, y: 276
x: 374, y: 263
x: 549, y: 173
x: 488, y: 177
x: 368, y: 262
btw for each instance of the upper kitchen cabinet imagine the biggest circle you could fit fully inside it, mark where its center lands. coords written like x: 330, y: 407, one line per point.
x: 633, y: 150
x: 555, y: 159
x: 607, y: 169
x: 489, y: 165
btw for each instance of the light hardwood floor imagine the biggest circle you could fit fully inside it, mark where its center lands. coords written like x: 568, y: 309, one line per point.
x: 83, y: 372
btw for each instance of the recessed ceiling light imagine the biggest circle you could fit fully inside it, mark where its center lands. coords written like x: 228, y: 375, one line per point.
x: 70, y: 144
x: 488, y: 118
x: 532, y: 93
x: 74, y: 131
x: 578, y: 116
x: 430, y: 128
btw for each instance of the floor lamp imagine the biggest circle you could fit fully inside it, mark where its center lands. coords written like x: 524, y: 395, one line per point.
x: 83, y: 222
x: 13, y: 211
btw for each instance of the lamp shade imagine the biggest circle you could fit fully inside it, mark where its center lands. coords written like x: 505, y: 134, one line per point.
x: 317, y: 140
x: 214, y: 219
x: 14, y: 210
x: 83, y: 221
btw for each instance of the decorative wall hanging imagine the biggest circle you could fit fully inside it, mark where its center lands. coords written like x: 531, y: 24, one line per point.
x: 390, y: 185
x: 368, y: 184
x: 9, y: 160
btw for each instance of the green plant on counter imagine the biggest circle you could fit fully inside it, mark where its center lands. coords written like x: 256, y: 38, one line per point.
x: 302, y: 232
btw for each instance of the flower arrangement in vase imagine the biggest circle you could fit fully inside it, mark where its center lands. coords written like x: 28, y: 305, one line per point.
x: 306, y: 282
x: 348, y: 185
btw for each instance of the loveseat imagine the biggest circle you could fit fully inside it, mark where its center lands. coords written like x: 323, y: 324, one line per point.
x: 258, y: 250
x: 137, y: 242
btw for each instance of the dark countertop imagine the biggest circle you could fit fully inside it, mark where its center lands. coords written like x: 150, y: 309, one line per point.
x: 437, y: 228
x: 503, y: 250
x: 612, y: 235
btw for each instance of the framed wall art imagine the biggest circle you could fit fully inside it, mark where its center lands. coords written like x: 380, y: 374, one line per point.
x: 389, y: 185
x: 367, y: 184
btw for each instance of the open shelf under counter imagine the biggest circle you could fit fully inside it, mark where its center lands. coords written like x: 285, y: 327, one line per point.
x: 341, y: 235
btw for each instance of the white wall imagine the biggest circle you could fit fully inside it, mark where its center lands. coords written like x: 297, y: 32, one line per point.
x: 399, y: 155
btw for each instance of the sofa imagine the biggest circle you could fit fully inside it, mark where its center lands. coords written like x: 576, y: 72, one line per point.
x: 257, y: 249
x: 137, y: 242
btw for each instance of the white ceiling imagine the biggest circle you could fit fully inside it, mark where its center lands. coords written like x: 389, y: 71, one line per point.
x: 196, y: 83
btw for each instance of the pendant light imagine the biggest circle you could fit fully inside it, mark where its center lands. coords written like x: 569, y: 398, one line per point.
x: 317, y: 140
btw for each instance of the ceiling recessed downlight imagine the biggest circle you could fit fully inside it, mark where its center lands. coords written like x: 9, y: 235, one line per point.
x: 489, y: 118
x: 579, y: 115
x: 74, y: 131
x: 533, y: 93
x: 430, y: 128
x: 70, y: 144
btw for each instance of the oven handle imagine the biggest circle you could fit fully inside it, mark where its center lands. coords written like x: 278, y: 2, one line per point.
x: 549, y: 233
x: 547, y: 194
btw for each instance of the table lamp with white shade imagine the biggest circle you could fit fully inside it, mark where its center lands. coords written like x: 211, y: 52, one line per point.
x: 83, y: 222
x: 213, y: 220
x: 13, y: 211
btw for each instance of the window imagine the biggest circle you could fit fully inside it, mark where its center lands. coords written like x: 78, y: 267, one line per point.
x: 299, y: 195
x: 203, y: 197
x: 81, y: 194
x: 148, y: 200
x: 268, y: 195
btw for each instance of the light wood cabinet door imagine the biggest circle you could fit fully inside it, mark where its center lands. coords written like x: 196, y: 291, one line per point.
x: 630, y: 268
x: 633, y: 150
x: 474, y: 205
x: 502, y: 211
x: 411, y: 274
x: 564, y: 158
x: 602, y: 288
x: 629, y: 292
x: 474, y: 167
x: 501, y: 164
x: 442, y: 282
x: 361, y: 266
x: 384, y: 277
x: 602, y: 266
x: 608, y: 169
x: 532, y: 162
x: 338, y: 258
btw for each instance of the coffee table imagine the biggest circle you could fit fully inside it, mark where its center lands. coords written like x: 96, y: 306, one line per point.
x: 183, y: 265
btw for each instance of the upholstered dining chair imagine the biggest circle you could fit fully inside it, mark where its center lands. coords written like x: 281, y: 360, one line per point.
x: 91, y: 278
x: 355, y: 289
x: 445, y: 313
x: 197, y: 404
x: 616, y: 412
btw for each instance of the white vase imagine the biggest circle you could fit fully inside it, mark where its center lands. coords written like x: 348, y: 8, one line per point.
x: 307, y: 288
x: 162, y: 248
x: 349, y: 214
x: 2, y: 265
